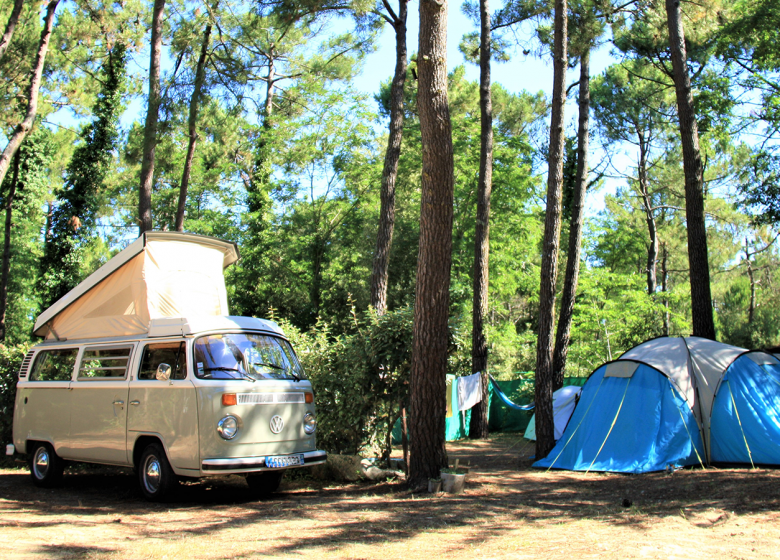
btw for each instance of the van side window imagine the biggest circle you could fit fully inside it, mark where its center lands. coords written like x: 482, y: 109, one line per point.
x: 171, y: 353
x: 54, y: 365
x: 102, y: 363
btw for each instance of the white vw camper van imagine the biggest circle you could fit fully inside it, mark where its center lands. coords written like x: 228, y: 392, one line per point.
x: 143, y: 367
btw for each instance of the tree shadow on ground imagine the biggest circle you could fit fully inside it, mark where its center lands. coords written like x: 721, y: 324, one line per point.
x: 503, y: 492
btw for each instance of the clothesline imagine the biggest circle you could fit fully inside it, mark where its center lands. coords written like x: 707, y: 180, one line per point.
x: 469, y: 392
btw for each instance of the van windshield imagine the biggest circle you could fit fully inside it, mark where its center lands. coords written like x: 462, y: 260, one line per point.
x: 245, y: 356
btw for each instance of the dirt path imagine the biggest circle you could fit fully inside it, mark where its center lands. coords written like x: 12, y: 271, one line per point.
x: 507, y: 511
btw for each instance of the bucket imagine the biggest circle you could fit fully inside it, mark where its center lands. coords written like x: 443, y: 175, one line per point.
x: 453, y: 483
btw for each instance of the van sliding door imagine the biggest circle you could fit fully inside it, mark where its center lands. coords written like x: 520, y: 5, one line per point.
x: 99, y: 405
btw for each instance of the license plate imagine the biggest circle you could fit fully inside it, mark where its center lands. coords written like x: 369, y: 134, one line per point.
x: 283, y: 461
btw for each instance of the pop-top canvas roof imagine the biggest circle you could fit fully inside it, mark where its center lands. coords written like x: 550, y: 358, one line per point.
x: 161, y: 274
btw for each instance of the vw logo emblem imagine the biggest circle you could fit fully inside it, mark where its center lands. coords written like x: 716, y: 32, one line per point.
x: 277, y: 424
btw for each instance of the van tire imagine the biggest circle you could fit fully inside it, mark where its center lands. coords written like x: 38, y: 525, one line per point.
x: 155, y: 475
x: 263, y: 484
x: 46, y: 467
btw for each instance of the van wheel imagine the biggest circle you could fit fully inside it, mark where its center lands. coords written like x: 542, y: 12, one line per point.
x: 263, y: 484
x: 46, y: 466
x: 155, y: 473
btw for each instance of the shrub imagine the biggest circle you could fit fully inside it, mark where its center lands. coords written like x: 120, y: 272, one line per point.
x: 360, y: 380
x: 10, y: 361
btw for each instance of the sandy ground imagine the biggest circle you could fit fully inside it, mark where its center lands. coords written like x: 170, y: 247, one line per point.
x: 508, y: 510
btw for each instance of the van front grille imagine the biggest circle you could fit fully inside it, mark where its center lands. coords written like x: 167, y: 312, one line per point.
x: 270, y: 398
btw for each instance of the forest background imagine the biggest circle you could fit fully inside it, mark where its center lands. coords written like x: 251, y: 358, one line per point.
x: 263, y: 137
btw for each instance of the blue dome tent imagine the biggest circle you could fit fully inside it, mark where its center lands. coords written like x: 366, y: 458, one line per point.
x: 746, y: 412
x: 674, y: 402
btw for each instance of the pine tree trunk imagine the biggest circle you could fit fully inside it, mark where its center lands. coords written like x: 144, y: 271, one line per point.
x: 428, y: 454
x: 563, y: 332
x: 145, y: 222
x: 545, y: 431
x: 317, y: 250
x: 24, y: 127
x: 752, y: 307
x: 652, y: 230
x: 268, y: 106
x: 665, y: 288
x: 384, y: 238
x: 701, y: 298
x: 49, y: 214
x: 8, y: 34
x: 9, y: 207
x: 200, y: 74
x: 478, y: 428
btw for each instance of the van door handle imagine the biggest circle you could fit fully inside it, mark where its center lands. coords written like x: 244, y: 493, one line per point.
x: 119, y: 402
x: 135, y: 403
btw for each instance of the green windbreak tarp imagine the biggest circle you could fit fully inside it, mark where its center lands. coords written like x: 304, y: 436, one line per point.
x: 501, y: 418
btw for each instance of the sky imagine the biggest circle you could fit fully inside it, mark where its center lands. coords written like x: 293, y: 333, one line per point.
x: 522, y: 72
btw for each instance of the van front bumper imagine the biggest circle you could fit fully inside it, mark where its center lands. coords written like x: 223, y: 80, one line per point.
x: 254, y: 464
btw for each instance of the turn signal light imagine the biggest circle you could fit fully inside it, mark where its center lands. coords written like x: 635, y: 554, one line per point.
x: 229, y: 399
x: 309, y: 398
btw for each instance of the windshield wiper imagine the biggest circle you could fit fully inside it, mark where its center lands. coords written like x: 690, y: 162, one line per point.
x: 274, y: 366
x: 221, y: 368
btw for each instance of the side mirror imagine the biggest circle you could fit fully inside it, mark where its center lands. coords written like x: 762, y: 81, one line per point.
x: 163, y: 372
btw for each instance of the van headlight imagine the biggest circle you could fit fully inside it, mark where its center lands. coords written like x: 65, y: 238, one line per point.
x: 309, y: 423
x: 228, y: 427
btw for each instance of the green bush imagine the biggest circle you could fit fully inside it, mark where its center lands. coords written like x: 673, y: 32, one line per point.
x: 10, y: 361
x: 360, y: 380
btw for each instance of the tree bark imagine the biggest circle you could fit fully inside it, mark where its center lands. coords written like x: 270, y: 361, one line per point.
x: 24, y: 127
x: 478, y: 428
x: 384, y: 238
x: 545, y: 434
x: 665, y: 287
x: 652, y: 230
x: 317, y: 249
x: 701, y: 298
x: 268, y: 106
x: 431, y: 309
x: 145, y: 222
x: 200, y: 74
x: 563, y: 332
x: 9, y: 205
x: 751, y: 309
x: 13, y: 19
x: 49, y: 215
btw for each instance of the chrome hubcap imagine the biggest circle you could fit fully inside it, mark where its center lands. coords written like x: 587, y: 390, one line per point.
x: 41, y: 463
x: 152, y: 474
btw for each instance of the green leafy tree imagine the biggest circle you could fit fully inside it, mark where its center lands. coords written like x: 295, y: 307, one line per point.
x: 10, y: 27
x: 747, y: 42
x: 72, y: 229
x: 312, y: 263
x: 23, y: 127
x: 379, y: 272
x: 632, y: 105
x: 24, y: 192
